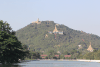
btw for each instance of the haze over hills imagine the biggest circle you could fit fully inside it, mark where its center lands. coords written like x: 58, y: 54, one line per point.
x: 39, y: 35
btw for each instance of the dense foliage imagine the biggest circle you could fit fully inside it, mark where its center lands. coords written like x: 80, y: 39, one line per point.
x: 34, y: 34
x: 11, y: 49
x: 95, y: 55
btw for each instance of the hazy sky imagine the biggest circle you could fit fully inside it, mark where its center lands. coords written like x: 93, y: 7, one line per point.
x: 76, y: 14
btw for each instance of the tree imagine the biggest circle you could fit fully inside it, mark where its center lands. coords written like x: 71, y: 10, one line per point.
x: 88, y: 56
x: 51, y: 53
x: 11, y: 49
x: 97, y: 55
x: 66, y: 53
x: 33, y: 55
x: 4, y: 26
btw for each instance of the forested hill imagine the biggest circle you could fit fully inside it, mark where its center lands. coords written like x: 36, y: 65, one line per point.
x: 36, y: 36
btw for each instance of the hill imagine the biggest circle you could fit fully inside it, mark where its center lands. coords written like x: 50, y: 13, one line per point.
x: 37, y: 37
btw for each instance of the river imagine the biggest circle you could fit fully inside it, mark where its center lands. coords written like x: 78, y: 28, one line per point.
x: 54, y: 63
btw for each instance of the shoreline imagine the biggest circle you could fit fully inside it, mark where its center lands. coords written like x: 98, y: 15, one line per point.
x: 84, y: 60
x: 88, y: 60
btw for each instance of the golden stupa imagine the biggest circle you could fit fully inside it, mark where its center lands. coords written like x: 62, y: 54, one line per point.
x: 55, y: 30
x: 90, y: 48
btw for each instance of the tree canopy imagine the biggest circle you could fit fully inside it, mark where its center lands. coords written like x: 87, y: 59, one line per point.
x: 11, y: 49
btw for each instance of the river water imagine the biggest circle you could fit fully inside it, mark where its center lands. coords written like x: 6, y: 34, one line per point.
x: 54, y: 63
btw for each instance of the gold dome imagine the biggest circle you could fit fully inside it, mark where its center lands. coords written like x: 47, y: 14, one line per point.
x: 90, y: 48
x: 55, y: 30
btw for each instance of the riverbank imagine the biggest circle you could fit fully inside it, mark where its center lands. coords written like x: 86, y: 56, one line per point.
x: 74, y: 60
x: 84, y: 60
x: 88, y: 60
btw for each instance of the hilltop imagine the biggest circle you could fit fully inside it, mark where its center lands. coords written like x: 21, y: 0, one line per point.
x: 40, y: 36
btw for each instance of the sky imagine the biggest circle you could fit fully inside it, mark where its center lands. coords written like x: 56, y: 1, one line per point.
x: 76, y: 14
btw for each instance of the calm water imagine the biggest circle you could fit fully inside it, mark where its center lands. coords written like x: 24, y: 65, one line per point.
x: 54, y: 63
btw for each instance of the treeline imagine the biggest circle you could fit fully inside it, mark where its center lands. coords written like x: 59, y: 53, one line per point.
x: 32, y: 54
x: 95, y: 55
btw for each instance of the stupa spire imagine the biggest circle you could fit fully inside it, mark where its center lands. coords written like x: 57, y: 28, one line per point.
x: 55, y: 30
x: 90, y: 48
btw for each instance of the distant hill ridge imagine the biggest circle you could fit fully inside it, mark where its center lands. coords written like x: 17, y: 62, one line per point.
x: 37, y: 36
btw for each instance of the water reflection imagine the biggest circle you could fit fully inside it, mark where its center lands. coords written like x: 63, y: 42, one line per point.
x: 15, y: 65
x: 10, y: 65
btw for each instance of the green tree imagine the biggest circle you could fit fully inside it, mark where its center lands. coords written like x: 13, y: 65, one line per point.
x: 4, y: 26
x: 51, y: 54
x: 89, y: 55
x: 97, y: 55
x: 66, y: 53
x: 33, y: 55
x: 11, y: 49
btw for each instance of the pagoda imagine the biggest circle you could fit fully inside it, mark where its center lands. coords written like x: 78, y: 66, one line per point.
x: 90, y: 48
x: 55, y: 30
x: 38, y: 22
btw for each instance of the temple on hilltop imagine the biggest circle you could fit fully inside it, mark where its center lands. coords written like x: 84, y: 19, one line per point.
x: 38, y: 22
x: 90, y: 48
x: 55, y: 31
